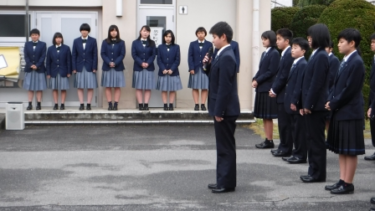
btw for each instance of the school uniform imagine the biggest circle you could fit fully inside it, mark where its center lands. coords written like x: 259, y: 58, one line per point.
x: 197, y: 52
x: 35, y: 54
x: 314, y: 96
x: 142, y: 51
x: 278, y: 87
x: 236, y: 51
x: 334, y: 64
x: 265, y: 107
x: 169, y: 59
x: 59, y: 65
x: 113, y: 51
x: 345, y: 135
x: 223, y: 102
x: 297, y: 124
x: 372, y: 101
x: 84, y: 61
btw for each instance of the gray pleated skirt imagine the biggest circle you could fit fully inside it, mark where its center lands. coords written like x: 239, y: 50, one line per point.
x: 85, y: 80
x: 59, y: 83
x: 113, y: 78
x: 144, y: 80
x: 169, y: 83
x: 35, y: 81
x: 198, y: 80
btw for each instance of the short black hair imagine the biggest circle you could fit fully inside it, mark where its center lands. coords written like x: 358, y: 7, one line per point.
x: 301, y: 42
x: 110, y: 29
x: 320, y: 36
x: 350, y: 34
x: 285, y: 33
x: 271, y: 36
x: 172, y: 35
x: 201, y: 29
x: 34, y: 31
x: 331, y: 44
x: 372, y: 37
x: 222, y: 28
x: 57, y: 35
x: 85, y: 27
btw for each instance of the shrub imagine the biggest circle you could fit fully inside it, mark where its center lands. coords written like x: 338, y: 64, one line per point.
x: 281, y: 17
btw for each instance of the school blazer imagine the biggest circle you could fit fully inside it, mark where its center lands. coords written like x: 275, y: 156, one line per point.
x: 36, y: 57
x: 346, y: 100
x: 372, y: 88
x: 59, y: 62
x: 87, y: 57
x: 236, y: 52
x: 267, y: 70
x: 223, y: 94
x: 113, y: 52
x: 142, y: 54
x: 281, y: 79
x: 169, y: 59
x: 334, y: 65
x: 196, y: 56
x: 293, y: 86
x: 315, y: 82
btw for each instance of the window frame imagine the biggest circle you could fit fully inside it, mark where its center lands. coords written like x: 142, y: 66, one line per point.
x: 6, y: 41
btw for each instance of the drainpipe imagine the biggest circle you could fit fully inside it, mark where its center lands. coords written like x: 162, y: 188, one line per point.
x: 27, y: 20
x: 256, y: 37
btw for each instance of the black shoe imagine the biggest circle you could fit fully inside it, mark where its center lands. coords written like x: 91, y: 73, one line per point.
x: 285, y: 158
x: 310, y: 179
x: 29, y: 107
x: 344, y: 189
x: 265, y: 145
x: 212, y: 186
x: 222, y: 190
x: 140, y: 107
x: 334, y: 186
x: 115, y: 107
x: 165, y: 107
x: 372, y: 200
x: 38, y: 107
x: 281, y: 153
x: 81, y: 107
x: 88, y: 107
x: 56, y: 107
x: 146, y: 108
x: 274, y: 150
x: 203, y: 107
x: 370, y: 157
x: 62, y: 107
x: 110, y: 107
x: 295, y: 160
x: 196, y: 108
x: 171, y: 108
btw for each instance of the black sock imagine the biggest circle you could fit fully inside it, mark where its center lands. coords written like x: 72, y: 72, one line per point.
x: 109, y: 103
x: 202, y: 104
x: 82, y: 104
x: 146, y: 104
x: 196, y: 104
x: 170, y: 105
x: 62, y: 104
x: 30, y: 103
x: 140, y: 105
x: 165, y: 105
x: 88, y: 104
x: 347, y: 184
x: 56, y: 104
x: 116, y: 103
x: 38, y: 103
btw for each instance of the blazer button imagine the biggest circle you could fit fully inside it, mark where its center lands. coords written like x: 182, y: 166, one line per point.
x: 83, y: 53
x: 84, y: 60
x: 112, y: 59
x: 58, y: 65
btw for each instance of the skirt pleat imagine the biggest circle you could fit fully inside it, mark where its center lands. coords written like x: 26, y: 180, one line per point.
x: 265, y: 107
x: 144, y: 80
x: 35, y: 81
x: 346, y: 137
x: 169, y: 83
x: 59, y: 83
x: 113, y: 78
x: 85, y: 80
x: 199, y: 80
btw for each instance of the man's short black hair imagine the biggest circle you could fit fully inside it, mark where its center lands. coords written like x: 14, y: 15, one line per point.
x: 320, y: 36
x: 285, y: 33
x: 372, y: 37
x: 350, y: 34
x: 301, y: 42
x: 222, y: 28
x: 57, y: 35
x: 271, y: 36
x: 34, y: 31
x: 85, y: 27
x: 201, y: 29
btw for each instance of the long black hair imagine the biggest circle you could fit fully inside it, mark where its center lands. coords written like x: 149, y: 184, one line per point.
x: 57, y: 35
x: 166, y: 34
x: 271, y: 36
x: 147, y: 28
x: 320, y: 36
x: 113, y: 28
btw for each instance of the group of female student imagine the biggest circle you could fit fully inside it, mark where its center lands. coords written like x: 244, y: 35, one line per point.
x: 322, y: 89
x: 60, y: 63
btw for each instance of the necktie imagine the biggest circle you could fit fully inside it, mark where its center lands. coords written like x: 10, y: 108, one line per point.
x: 144, y: 42
x: 342, y: 65
x: 58, y: 48
x: 292, y: 69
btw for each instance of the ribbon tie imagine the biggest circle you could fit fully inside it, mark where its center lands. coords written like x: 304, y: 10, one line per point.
x: 84, y: 40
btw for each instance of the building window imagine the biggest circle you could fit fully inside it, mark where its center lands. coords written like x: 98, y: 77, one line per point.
x: 156, y: 1
x: 12, y: 25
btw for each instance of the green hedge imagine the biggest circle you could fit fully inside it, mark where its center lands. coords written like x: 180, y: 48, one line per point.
x: 358, y: 14
x: 304, y: 18
x: 281, y: 17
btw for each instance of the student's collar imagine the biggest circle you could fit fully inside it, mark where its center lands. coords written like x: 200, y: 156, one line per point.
x: 282, y: 53
x: 348, y: 56
x: 296, y: 60
x: 201, y: 41
x: 221, y: 49
x: 268, y: 49
x: 35, y: 41
x: 58, y: 45
x: 330, y: 54
x: 314, y: 51
x: 143, y: 39
x: 85, y: 38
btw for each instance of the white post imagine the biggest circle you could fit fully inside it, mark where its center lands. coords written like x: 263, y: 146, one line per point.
x: 256, y: 37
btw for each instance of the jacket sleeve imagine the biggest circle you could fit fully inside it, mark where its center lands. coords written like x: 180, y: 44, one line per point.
x: 74, y: 56
x: 48, y: 62
x: 151, y: 59
x: 103, y: 53
x: 121, y: 57
x: 296, y: 99
x: 95, y: 56
x: 42, y: 57
x: 177, y: 59
x: 134, y: 55
x: 69, y: 60
x: 237, y: 55
x: 271, y: 69
x: 282, y: 76
x: 26, y: 56
x: 191, y: 57
x: 160, y: 61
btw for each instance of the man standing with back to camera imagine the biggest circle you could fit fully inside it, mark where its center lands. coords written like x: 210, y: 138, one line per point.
x: 223, y: 106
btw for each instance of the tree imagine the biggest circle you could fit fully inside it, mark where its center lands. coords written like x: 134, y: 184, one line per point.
x: 304, y: 18
x: 281, y: 17
x: 304, y: 3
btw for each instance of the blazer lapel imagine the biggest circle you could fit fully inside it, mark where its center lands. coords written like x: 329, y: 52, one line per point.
x: 373, y: 68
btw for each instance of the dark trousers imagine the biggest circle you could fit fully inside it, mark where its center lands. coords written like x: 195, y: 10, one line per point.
x: 285, y: 129
x: 372, y: 127
x: 299, y: 136
x: 226, y: 152
x: 316, y: 146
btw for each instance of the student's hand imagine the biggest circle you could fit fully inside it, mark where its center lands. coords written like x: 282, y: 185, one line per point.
x: 206, y: 60
x: 48, y: 76
x: 306, y: 111
x: 255, y: 84
x: 112, y: 64
x: 219, y: 119
x: 170, y: 72
x: 74, y: 71
x: 271, y: 94
x: 327, y: 106
x: 369, y: 113
x: 146, y: 65
x: 68, y: 75
x: 301, y: 112
x: 165, y: 72
x: 33, y: 67
x: 192, y: 72
x: 293, y: 107
x: 94, y: 71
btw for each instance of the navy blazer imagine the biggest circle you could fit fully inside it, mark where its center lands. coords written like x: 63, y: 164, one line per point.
x: 372, y: 87
x: 315, y: 82
x: 334, y: 65
x: 59, y: 62
x: 223, y: 94
x: 142, y: 54
x: 236, y: 52
x: 346, y: 100
x: 87, y: 57
x: 169, y: 60
x: 281, y: 79
x: 267, y: 70
x: 196, y: 55
x: 113, y: 52
x: 293, y: 86
x: 36, y: 57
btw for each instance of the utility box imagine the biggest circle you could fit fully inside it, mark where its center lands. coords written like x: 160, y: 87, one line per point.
x: 14, y: 116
